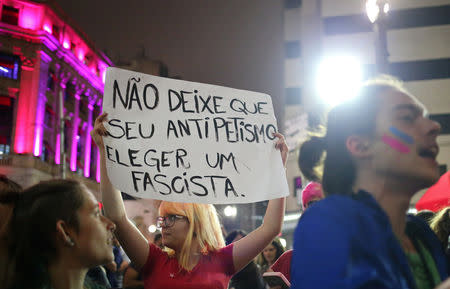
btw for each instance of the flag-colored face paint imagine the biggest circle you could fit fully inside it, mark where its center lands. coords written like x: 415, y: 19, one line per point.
x: 401, y: 135
x: 398, y: 142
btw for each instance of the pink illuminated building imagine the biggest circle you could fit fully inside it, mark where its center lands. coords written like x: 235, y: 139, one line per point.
x: 45, y: 57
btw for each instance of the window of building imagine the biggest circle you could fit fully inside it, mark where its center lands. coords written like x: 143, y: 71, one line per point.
x: 10, y: 15
x: 51, y: 80
x: 49, y: 116
x: 46, y: 151
x: 56, y: 31
x: 6, y: 120
x: 9, y: 66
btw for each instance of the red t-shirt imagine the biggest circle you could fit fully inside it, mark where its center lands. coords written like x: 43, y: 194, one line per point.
x: 213, y: 271
x: 283, y: 264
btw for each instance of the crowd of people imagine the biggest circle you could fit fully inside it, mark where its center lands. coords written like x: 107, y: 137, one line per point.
x: 376, y: 151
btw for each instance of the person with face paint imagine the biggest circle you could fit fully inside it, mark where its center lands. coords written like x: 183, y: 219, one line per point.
x: 380, y: 150
x: 195, y: 255
x: 57, y: 234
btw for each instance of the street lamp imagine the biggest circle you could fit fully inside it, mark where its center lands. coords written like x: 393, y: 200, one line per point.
x: 338, y: 78
x: 230, y: 211
x: 377, y: 11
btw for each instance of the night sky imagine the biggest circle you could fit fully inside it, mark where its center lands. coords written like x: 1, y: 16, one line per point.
x: 233, y: 43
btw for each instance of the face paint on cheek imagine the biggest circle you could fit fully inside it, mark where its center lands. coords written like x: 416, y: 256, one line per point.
x: 401, y: 135
x: 395, y: 144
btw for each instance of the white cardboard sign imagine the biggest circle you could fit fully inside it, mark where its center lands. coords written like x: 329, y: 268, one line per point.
x: 183, y: 141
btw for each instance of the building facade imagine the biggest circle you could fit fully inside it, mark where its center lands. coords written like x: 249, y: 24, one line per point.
x: 51, y: 85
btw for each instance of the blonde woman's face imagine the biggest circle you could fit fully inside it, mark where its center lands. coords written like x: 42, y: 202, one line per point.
x: 174, y: 236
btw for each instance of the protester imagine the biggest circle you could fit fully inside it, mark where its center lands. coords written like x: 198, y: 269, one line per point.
x: 249, y: 276
x: 196, y: 256
x: 116, y: 269
x: 380, y: 150
x: 58, y: 233
x: 269, y: 255
x: 8, y: 192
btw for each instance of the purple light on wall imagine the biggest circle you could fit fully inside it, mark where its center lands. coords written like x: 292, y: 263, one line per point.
x: 73, y: 153
x: 97, y: 175
x: 48, y: 28
x: 87, y: 154
x: 66, y: 44
x: 81, y: 55
x: 30, y: 17
x: 58, y: 149
x: 39, y: 132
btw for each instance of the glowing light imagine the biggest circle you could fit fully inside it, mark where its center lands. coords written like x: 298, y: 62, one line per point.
x: 230, y: 211
x: 30, y: 18
x: 97, y: 173
x: 66, y: 44
x: 372, y: 10
x: 73, y: 152
x: 58, y: 149
x: 283, y: 242
x: 81, y: 56
x: 104, y: 76
x: 152, y: 228
x: 4, y: 69
x: 48, y: 28
x: 87, y: 154
x: 338, y: 79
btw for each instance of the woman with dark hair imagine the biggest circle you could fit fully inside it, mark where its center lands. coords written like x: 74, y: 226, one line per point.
x: 269, y: 255
x: 8, y: 190
x: 380, y: 149
x: 58, y: 233
x: 249, y: 276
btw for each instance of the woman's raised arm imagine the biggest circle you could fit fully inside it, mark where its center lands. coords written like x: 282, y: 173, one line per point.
x: 132, y: 241
x: 251, y: 245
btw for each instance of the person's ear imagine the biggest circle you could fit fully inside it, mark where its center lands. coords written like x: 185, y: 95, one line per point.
x: 63, y: 233
x: 359, y: 146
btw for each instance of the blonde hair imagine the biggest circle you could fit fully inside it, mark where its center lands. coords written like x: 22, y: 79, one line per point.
x: 440, y: 224
x: 204, y: 225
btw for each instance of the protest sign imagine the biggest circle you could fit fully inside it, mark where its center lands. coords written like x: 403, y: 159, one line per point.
x: 183, y: 141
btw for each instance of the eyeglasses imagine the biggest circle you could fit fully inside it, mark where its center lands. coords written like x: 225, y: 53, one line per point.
x: 168, y: 220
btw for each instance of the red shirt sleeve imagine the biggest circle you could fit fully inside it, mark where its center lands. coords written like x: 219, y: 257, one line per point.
x: 225, y: 255
x: 283, y: 264
x: 155, y: 254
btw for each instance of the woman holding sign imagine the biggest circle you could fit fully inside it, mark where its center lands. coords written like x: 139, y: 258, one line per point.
x: 197, y: 256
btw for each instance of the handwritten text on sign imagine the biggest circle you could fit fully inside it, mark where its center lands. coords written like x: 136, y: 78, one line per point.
x: 190, y: 142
